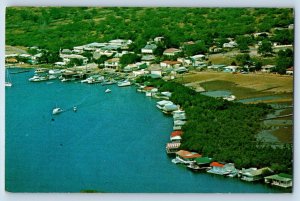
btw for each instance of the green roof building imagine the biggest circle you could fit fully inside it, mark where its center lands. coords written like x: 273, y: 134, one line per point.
x: 282, y: 180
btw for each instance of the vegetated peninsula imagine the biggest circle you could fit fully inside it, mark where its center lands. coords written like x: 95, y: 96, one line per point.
x: 202, y: 48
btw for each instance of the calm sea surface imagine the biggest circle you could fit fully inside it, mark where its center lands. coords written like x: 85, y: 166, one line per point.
x: 114, y: 143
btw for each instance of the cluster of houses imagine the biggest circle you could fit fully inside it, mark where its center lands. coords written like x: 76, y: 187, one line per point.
x: 197, y: 162
x: 174, y: 62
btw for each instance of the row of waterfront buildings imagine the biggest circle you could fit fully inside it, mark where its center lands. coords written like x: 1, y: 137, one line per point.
x: 199, y: 163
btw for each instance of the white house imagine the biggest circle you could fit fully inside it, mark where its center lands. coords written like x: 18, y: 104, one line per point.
x: 155, y: 70
x: 230, y: 68
x: 68, y: 57
x: 112, y: 63
x: 267, y: 68
x: 290, y: 71
x: 171, y: 52
x: 230, y: 44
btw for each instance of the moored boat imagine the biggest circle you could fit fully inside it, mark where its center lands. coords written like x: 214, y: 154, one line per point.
x: 8, y: 84
x: 57, y: 110
x: 124, y: 83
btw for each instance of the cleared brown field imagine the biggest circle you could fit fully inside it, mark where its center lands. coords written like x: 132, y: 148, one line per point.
x: 259, y: 82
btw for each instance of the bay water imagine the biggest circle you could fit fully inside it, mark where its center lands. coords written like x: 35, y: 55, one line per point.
x: 115, y: 142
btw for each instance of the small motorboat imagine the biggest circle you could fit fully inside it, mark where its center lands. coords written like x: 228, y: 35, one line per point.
x: 56, y: 110
x: 107, y: 91
x: 8, y: 84
x: 75, y: 109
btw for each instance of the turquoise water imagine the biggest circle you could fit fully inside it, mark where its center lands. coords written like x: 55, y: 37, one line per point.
x: 114, y: 143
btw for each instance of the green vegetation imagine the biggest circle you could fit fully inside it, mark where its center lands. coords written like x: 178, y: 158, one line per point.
x: 53, y: 28
x: 226, y: 130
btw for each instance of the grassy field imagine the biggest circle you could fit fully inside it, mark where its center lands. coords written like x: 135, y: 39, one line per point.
x: 243, y: 85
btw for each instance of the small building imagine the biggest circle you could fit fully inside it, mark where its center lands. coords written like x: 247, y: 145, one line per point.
x: 282, y: 180
x: 112, y: 63
x: 149, y: 49
x: 290, y: 71
x: 198, y: 57
x: 254, y: 174
x: 215, y: 49
x: 230, y: 44
x: 176, y: 136
x: 185, y: 61
x: 230, y: 69
x: 130, y: 68
x: 267, y: 68
x: 217, y: 67
x: 67, y: 58
x: 158, y: 39
x: 66, y: 51
x: 181, y: 70
x: 155, y: 70
x: 203, y: 161
x: 171, y: 52
x: 170, y: 64
x: 221, y: 169
x: 139, y: 72
x: 172, y: 147
x: 186, y: 157
x: 261, y: 34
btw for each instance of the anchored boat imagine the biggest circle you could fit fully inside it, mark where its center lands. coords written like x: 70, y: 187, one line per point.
x: 56, y: 110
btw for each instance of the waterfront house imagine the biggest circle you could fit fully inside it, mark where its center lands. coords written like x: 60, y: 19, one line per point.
x: 185, y: 157
x: 169, y: 108
x: 221, y: 168
x: 203, y: 161
x: 282, y: 180
x: 172, y: 147
x: 161, y: 104
x: 254, y: 174
x: 171, y: 52
x: 112, y: 63
x: 149, y: 49
x: 176, y: 136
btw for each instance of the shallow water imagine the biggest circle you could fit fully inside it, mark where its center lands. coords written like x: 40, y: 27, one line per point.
x: 217, y: 94
x: 114, y: 143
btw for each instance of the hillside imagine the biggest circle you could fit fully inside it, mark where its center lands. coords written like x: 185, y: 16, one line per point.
x: 55, y: 27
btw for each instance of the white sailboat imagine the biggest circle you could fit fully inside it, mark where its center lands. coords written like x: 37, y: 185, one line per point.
x: 107, y: 90
x: 8, y: 83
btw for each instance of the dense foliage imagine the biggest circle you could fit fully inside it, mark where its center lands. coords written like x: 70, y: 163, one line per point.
x: 226, y: 130
x: 54, y: 28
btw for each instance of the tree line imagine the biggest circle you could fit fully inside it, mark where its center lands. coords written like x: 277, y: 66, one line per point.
x: 224, y: 130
